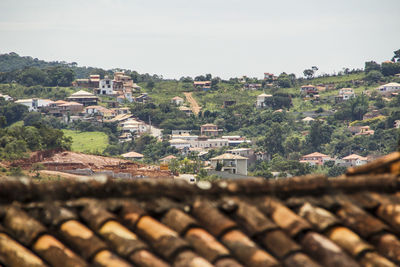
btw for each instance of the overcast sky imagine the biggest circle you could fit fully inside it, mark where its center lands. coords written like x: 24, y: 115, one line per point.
x: 226, y: 38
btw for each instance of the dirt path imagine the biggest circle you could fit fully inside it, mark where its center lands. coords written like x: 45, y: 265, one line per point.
x: 193, y: 103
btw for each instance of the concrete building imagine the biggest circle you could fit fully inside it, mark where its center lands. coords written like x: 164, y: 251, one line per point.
x: 244, y: 152
x: 230, y: 163
x: 105, y: 87
x: 34, y: 104
x: 83, y: 97
x: 315, y: 158
x: 389, y: 88
x: 354, y: 160
x: 260, y: 103
x: 210, y: 129
x: 177, y: 101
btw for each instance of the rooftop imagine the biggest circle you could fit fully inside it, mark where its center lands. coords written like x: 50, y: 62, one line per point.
x: 301, y: 221
x: 316, y: 154
x: 228, y: 156
x: 132, y: 154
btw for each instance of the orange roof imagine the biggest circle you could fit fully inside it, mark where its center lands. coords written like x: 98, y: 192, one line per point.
x: 316, y: 154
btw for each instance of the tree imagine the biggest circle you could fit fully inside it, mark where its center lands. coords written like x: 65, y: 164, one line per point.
x: 320, y: 133
x: 389, y: 69
x: 309, y: 73
x: 278, y: 101
x: 370, y: 66
x: 374, y: 76
x: 273, y: 139
x: 396, y: 56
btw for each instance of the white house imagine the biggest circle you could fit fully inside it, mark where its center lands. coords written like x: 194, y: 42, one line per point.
x: 397, y: 124
x: 260, y: 103
x: 34, y: 103
x: 209, y: 143
x: 244, y: 152
x: 180, y: 143
x: 346, y: 93
x: 186, y: 137
x: 6, y: 97
x: 177, y: 100
x: 231, y: 163
x: 354, y: 160
x: 106, y: 87
x: 134, y: 126
x: 389, y: 87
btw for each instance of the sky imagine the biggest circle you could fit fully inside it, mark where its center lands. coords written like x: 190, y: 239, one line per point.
x: 227, y: 38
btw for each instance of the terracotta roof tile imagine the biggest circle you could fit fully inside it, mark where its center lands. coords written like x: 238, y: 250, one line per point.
x: 246, y: 250
x: 302, y: 221
x: 211, y: 218
x: 163, y: 239
x: 77, y: 235
x: 14, y: 254
x: 325, y: 251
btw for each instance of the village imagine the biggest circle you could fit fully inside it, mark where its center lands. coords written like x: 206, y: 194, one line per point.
x: 104, y: 100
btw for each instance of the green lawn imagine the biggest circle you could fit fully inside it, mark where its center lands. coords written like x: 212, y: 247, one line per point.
x: 88, y: 142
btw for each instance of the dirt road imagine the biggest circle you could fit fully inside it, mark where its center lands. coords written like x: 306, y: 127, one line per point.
x: 193, y: 103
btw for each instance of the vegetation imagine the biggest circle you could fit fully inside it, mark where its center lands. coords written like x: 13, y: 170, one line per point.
x: 276, y: 129
x: 88, y: 142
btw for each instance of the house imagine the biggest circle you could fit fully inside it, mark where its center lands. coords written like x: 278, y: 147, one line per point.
x: 104, y: 112
x: 365, y: 130
x: 308, y: 120
x: 389, y: 88
x: 70, y: 108
x: 83, y: 97
x: 310, y: 220
x: 120, y: 111
x: 252, y: 86
x: 92, y: 82
x: 168, y: 159
x: 230, y: 163
x: 105, y: 87
x: 209, y: 129
x: 208, y: 143
x: 186, y: 110
x: 177, y: 100
x: 345, y: 94
x: 263, y: 156
x: 185, y: 136
x: 269, y: 76
x: 126, y: 81
x: 181, y: 132
x: 235, y: 140
x: 180, y: 144
x: 396, y: 124
x: 6, y: 97
x: 34, y: 104
x: 354, y: 160
x: 315, y: 158
x: 308, y: 89
x: 142, y: 98
x: 204, y: 85
x: 260, y: 103
x: 132, y: 155
x: 134, y: 126
x: 244, y: 152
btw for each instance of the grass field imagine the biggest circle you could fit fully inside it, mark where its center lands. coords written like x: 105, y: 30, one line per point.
x: 88, y: 142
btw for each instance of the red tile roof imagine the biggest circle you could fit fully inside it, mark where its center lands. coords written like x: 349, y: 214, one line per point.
x: 301, y: 221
